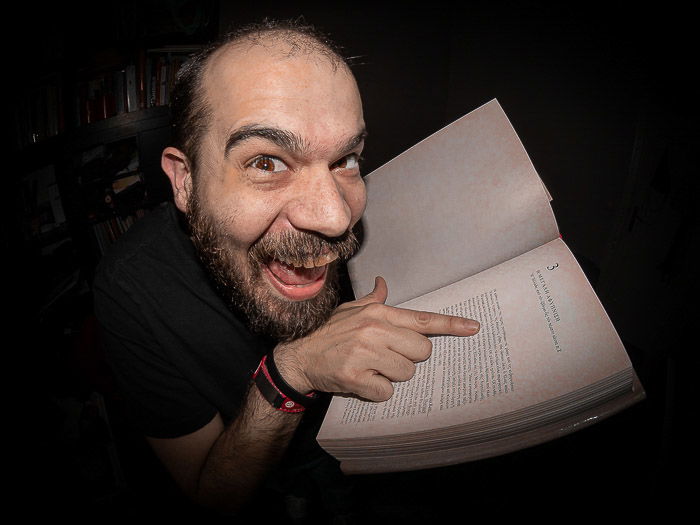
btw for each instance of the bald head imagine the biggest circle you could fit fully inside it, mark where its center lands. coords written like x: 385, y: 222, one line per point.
x: 191, y: 112
x: 289, y: 40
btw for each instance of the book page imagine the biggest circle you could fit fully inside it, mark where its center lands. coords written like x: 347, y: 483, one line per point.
x: 544, y: 335
x: 469, y: 190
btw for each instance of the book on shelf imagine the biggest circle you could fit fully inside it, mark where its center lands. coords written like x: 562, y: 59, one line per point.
x: 142, y: 79
x: 144, y: 82
x: 108, y: 231
x: 132, y: 95
x: 124, y: 182
x: 38, y: 112
x: 123, y: 204
x: 160, y: 69
x: 462, y: 224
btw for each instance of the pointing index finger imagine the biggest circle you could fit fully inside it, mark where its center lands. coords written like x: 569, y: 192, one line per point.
x: 430, y: 323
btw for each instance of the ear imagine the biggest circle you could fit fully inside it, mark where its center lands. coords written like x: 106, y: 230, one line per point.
x: 176, y: 166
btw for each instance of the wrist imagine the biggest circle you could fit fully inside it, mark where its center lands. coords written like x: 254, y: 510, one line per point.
x: 291, y: 369
x: 277, y: 391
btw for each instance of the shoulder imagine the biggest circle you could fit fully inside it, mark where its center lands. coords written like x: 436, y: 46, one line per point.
x: 154, y: 243
x: 141, y: 238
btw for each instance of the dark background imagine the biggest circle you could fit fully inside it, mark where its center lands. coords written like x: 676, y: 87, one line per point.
x: 603, y: 99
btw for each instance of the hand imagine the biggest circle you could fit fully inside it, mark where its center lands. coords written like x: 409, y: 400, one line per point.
x: 365, y: 346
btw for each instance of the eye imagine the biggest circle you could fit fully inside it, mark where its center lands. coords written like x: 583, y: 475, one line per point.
x: 349, y: 162
x: 267, y: 163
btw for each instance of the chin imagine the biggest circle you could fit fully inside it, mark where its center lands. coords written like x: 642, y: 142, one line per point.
x: 283, y: 317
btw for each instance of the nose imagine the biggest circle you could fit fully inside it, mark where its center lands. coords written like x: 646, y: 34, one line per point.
x: 320, y: 205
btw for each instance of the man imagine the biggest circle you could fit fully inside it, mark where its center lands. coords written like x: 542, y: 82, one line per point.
x: 269, y: 131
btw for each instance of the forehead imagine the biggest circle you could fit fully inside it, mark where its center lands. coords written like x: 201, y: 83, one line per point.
x: 305, y: 93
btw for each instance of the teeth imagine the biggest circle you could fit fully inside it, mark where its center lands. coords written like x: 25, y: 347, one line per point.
x: 326, y: 259
x: 311, y: 263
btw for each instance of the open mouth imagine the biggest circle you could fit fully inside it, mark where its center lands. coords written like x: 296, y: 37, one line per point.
x: 299, y: 280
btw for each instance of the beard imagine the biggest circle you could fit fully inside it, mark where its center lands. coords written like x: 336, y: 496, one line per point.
x: 240, y: 282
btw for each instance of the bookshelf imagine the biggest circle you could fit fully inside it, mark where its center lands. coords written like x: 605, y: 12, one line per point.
x: 88, y: 139
x: 73, y: 192
x: 79, y: 191
x: 85, y: 166
x: 124, y: 82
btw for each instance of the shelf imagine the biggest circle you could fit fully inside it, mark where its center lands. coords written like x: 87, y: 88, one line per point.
x: 118, y: 127
x: 112, y: 129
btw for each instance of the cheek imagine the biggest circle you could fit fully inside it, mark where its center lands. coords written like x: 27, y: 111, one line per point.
x: 240, y: 214
x: 246, y: 220
x: 357, y: 200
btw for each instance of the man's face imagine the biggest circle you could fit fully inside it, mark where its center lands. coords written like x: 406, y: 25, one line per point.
x: 278, y: 186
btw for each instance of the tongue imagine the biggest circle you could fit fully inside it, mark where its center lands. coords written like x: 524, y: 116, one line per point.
x: 295, y: 276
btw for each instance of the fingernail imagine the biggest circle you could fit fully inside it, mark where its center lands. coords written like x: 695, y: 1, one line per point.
x: 471, y: 324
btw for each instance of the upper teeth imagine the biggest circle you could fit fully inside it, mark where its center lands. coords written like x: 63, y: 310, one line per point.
x: 311, y: 263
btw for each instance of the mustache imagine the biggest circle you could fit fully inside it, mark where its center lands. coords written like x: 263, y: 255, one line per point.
x: 299, y: 246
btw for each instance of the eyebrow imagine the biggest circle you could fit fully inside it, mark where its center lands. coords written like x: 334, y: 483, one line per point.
x: 283, y: 138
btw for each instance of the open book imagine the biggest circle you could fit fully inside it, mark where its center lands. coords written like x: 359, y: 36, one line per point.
x: 461, y: 223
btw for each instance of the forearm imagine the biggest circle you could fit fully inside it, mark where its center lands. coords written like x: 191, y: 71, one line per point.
x: 244, y: 454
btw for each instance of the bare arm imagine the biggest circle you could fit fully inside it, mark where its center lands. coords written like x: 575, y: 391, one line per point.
x: 207, y: 464
x: 363, y: 348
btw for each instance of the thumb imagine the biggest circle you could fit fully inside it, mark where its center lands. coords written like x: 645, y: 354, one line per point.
x: 378, y: 295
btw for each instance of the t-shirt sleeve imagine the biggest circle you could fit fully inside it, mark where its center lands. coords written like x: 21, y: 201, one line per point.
x: 160, y: 401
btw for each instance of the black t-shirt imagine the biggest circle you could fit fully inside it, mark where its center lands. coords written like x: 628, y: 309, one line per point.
x: 177, y: 352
